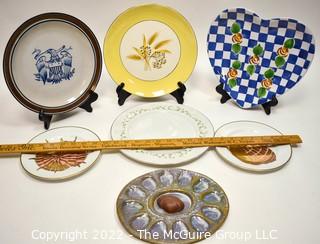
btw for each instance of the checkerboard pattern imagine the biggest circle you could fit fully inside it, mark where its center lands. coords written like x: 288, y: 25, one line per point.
x: 271, y: 35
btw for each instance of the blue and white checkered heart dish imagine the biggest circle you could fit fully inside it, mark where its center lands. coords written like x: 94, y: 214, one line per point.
x: 258, y: 59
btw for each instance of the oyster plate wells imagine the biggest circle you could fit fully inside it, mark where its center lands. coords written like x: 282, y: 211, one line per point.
x: 205, y: 206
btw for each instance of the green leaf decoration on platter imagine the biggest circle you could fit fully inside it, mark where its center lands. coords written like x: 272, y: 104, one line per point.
x: 269, y: 74
x: 280, y: 61
x: 258, y: 50
x: 262, y: 92
x: 251, y: 69
x: 232, y: 82
x: 236, y: 64
x: 289, y: 43
x: 236, y: 48
x: 235, y: 28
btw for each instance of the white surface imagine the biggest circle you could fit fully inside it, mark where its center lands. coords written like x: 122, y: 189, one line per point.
x: 134, y: 38
x: 162, y: 120
x: 249, y: 128
x: 286, y: 201
x: 41, y: 37
x: 55, y: 135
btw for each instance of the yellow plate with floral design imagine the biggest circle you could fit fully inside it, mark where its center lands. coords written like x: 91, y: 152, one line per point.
x: 150, y: 48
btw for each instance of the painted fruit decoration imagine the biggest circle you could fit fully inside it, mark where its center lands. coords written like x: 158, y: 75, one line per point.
x: 283, y: 52
x: 254, y: 59
x: 232, y: 74
x: 236, y: 38
x: 266, y: 83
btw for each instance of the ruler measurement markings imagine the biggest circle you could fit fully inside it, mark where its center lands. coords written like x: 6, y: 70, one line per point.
x: 148, y: 144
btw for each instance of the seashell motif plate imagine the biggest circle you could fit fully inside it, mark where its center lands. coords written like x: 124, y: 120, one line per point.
x: 258, y: 159
x: 52, y: 63
x: 258, y: 59
x: 162, y: 120
x: 150, y: 48
x: 173, y: 205
x: 58, y: 166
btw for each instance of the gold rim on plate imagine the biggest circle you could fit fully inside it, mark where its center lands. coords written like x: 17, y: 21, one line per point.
x: 271, y: 167
x: 67, y: 177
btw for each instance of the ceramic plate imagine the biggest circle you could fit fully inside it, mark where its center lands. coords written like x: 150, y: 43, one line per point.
x: 280, y: 156
x: 162, y: 120
x: 176, y: 201
x: 52, y: 63
x: 258, y: 59
x: 60, y: 166
x: 150, y: 48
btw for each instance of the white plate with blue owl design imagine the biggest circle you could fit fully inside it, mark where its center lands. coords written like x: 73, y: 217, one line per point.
x: 52, y: 63
x: 256, y: 59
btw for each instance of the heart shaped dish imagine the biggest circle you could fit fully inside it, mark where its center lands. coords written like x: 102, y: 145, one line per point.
x: 256, y: 59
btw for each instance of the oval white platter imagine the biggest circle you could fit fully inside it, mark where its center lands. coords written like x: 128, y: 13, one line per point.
x: 162, y: 120
x: 60, y: 166
x: 252, y: 128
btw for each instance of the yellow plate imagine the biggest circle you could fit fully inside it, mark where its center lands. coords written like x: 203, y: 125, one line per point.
x: 150, y: 48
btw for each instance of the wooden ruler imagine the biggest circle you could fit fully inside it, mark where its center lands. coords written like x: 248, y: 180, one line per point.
x: 175, y: 143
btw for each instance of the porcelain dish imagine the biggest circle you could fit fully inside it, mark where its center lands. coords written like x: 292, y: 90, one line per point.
x: 150, y: 48
x: 279, y: 155
x: 60, y: 166
x: 203, y: 206
x: 257, y: 59
x: 162, y: 120
x: 52, y: 63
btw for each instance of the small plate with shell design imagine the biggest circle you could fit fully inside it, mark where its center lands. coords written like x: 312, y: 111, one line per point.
x: 52, y: 63
x: 253, y: 158
x: 172, y: 206
x: 60, y: 166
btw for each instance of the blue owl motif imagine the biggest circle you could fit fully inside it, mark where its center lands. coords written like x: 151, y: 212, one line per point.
x: 53, y: 65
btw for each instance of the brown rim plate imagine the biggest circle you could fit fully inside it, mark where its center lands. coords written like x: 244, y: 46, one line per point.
x: 52, y: 63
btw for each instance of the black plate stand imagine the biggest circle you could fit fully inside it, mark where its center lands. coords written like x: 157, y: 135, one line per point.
x: 46, y: 118
x: 86, y: 105
x: 122, y: 94
x: 178, y: 94
x: 267, y: 106
x: 225, y: 97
